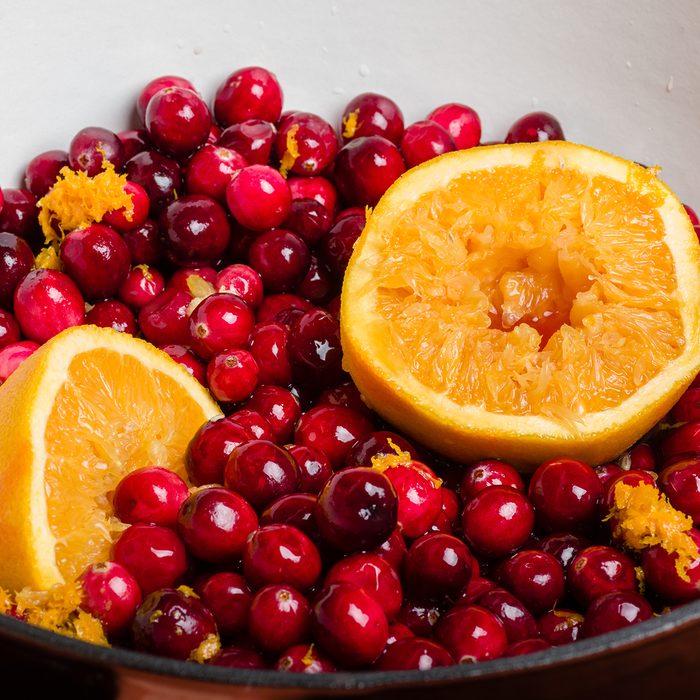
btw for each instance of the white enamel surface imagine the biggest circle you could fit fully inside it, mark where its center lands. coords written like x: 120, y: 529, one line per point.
x: 623, y: 76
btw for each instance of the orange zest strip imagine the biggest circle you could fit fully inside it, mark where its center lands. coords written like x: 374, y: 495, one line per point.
x: 291, y: 151
x: 350, y: 124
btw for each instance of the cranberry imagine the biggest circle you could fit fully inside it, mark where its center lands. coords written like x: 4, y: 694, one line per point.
x: 185, y: 357
x: 314, y: 468
x: 111, y: 594
x: 42, y: 171
x: 347, y: 395
x: 281, y: 554
x: 258, y: 197
x: 451, y: 506
x: 304, y: 658
x: 680, y: 442
x: 398, y: 631
x: 210, y: 449
x: 687, y: 408
x: 471, y: 634
x: 414, y: 653
x: 663, y: 577
x: 281, y: 258
x: 632, y: 477
x: 279, y: 407
x: 112, y: 314
x: 424, y: 140
x: 317, y: 188
x: 238, y: 657
x: 476, y: 587
x: 16, y: 260
x: 462, y: 123
x: 145, y: 243
x: 370, y: 114
x: 560, y: 626
x: 536, y: 126
x: 12, y: 356
x: 172, y: 623
x: 9, y: 330
x: 134, y: 141
x: 125, y: 219
x: 156, y: 85
x: 489, y: 472
x: 535, y: 578
x: 526, y: 646
x: 210, y: 170
x: 309, y: 220
x: 680, y: 482
x: 165, y: 319
x: 566, y: 494
x: 154, y: 555
x: 349, y: 625
x: 517, y: 620
x: 252, y: 139
x: 158, y: 175
x: 47, y: 302
x: 243, y: 282
x: 141, y: 285
x: 691, y: 215
x: 197, y: 281
x: 228, y: 597
x: 314, y: 347
x: 365, y: 167
x: 317, y: 284
x: 295, y: 509
x: 376, y: 444
x: 93, y: 145
x: 306, y: 144
x: 248, y: 93
x: 18, y: 213
x: 268, y: 345
x: 336, y: 248
x: 221, y: 322
x: 261, y: 472
x: 563, y: 546
x: 275, y: 306
x: 280, y: 617
x: 607, y: 471
x: 421, y: 618
x: 614, y: 611
x: 393, y: 549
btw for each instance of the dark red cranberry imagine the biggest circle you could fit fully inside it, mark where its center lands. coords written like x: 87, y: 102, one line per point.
x: 535, y: 578
x: 210, y: 449
x: 536, y: 126
x: 185, y: 357
x: 279, y: 407
x: 91, y: 146
x: 10, y: 333
x: 563, y: 546
x: 680, y: 482
x: 16, y: 260
x: 257, y: 427
x: 238, y: 657
x: 375, y: 444
x: 134, y: 141
x: 527, y: 646
x: 414, y: 653
x: 314, y: 347
x: 111, y: 594
x: 165, y: 320
x: 242, y: 281
x: 309, y: 219
x: 346, y: 394
x: 154, y: 555
x: 12, y: 356
x: 126, y: 218
x: 606, y: 471
x: 687, y: 408
x: 680, y: 442
x: 314, y: 468
x: 156, y: 85
x: 280, y: 617
x: 566, y: 494
x: 317, y: 284
x: 306, y: 143
x: 173, y: 623
x: 158, y: 175
x: 517, y: 620
x: 281, y: 258
x: 317, y: 188
x: 145, y: 243
x: 261, y: 472
x: 365, y: 168
x: 42, y: 171
x: 420, y: 617
x: 141, y: 285
x: 210, y: 170
x: 248, y: 93
x: 295, y: 509
x: 281, y: 554
x: 370, y: 114
x: 672, y: 581
x: 462, y: 123
x: 258, y: 197
x: 349, y: 625
x: 424, y: 140
x: 112, y: 314
x: 471, y: 634
x: 560, y: 626
x: 252, y: 138
x: 451, y: 506
x: 489, y: 472
x: 336, y: 248
x: 18, y: 213
x: 221, y: 322
x: 476, y: 587
x: 614, y: 611
x: 47, y: 302
x: 228, y: 597
x: 304, y: 658
x: 274, y: 306
x: 393, y: 549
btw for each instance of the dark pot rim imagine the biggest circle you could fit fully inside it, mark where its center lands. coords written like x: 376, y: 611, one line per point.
x: 128, y: 660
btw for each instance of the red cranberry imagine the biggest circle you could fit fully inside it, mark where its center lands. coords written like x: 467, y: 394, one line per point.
x: 680, y: 482
x: 317, y: 188
x: 112, y: 314
x: 489, y: 472
x: 210, y: 170
x: 691, y: 215
x: 451, y: 506
x: 497, y: 521
x: 149, y: 495
x: 471, y: 634
x: 134, y: 141
x: 476, y: 587
x: 309, y: 219
x: 42, y: 171
x: 535, y: 578
x: 197, y: 281
x: 560, y: 626
x: 279, y: 407
x: 687, y: 408
x: 172, y: 623
x: 145, y: 244
x: 314, y: 468
x: 347, y: 395
x: 375, y: 444
x: 274, y: 306
x: 393, y: 549
x: 18, y: 213
x: 663, y: 577
x: 304, y: 658
x: 607, y: 471
x: 12, y: 356
x: 156, y: 85
x: 281, y: 554
x: 16, y: 260
x: 158, y: 175
x: 91, y: 146
x: 566, y: 494
x: 414, y: 653
x: 141, y: 285
x: 165, y: 319
x: 127, y: 218
x: 295, y: 509
x: 9, y: 330
x: 185, y: 357
x: 210, y: 449
x: 421, y: 618
x: 336, y: 248
x: 563, y: 546
x: 221, y: 322
x: 680, y: 442
x: 317, y: 284
x: 314, y: 347
x: 349, y: 625
x: 154, y: 555
x: 252, y: 138
x: 258, y: 197
x: 526, y: 646
x: 639, y: 456
x: 261, y: 472
x: 462, y: 123
x: 281, y: 258
x: 228, y: 597
x: 517, y: 620
x: 111, y: 594
x: 238, y: 657
x: 614, y: 611
x: 398, y: 631
x: 243, y: 282
x: 372, y: 115
x: 268, y: 345
x: 47, y: 302
x: 306, y: 144
x: 425, y: 140
x: 248, y: 93
x: 280, y: 617
x: 536, y: 126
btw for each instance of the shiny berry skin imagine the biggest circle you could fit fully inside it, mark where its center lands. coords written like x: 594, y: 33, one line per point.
x: 280, y: 617
x: 9, y: 330
x: 414, y: 653
x: 373, y: 575
x: 566, y: 494
x: 317, y: 285
x: 149, y: 495
x: 154, y: 555
x: 276, y: 307
x: 314, y: 468
x: 517, y: 620
x: 560, y: 626
x: 112, y: 314
x: 309, y: 219
x: 172, y: 623
x: 227, y: 596
x: 687, y: 408
x: 242, y: 281
x: 111, y: 594
x: 437, y: 566
x: 336, y: 248
x: 640, y: 456
x: 314, y: 347
x: 462, y: 123
x: 333, y: 430
x: 489, y: 472
x: 47, y: 302
x: 563, y: 546
x: 471, y: 634
x: 145, y: 244
x: 16, y: 260
x: 476, y: 587
x: 306, y: 144
x: 210, y: 449
x: 185, y: 357
x: 165, y: 319
x: 248, y: 93
x: 210, y: 169
x: 375, y: 115
x: 615, y: 611
x: 295, y: 509
x: 159, y: 175
x: 304, y: 658
x: 534, y: 127
x: 42, y: 170
x: 261, y: 472
x: 19, y: 214
x: 232, y: 375
x: 365, y: 168
x: 281, y: 258
x: 346, y: 394
x: 279, y: 407
x: 424, y: 140
x: 12, y: 356
x: 134, y: 141
x: 420, y: 618
x: 357, y: 509
x: 680, y: 482
x: 141, y: 285
x: 376, y: 444
x: 268, y: 345
x: 535, y: 578
x: 253, y: 422
x: 281, y: 554
x: 258, y: 197
x: 398, y: 631
x: 349, y: 625
x: 497, y: 521
x: 606, y: 471
x: 680, y: 442
x: 526, y: 646
x: 128, y: 218
x: 317, y: 188
x: 393, y: 550
x: 663, y: 577
x: 253, y: 139
x: 155, y: 86
x: 90, y: 146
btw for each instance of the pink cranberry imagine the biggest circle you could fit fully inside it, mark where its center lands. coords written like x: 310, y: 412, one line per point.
x: 471, y: 634
x: 336, y: 248
x: 280, y: 617
x: 295, y: 509
x: 158, y: 175
x: 221, y: 322
x: 243, y: 282
x: 112, y: 314
x: 111, y: 594
x: 154, y: 555
x: 373, y: 115
x: 210, y: 169
x: 526, y: 646
x: 252, y: 138
x: 165, y: 319
x: 306, y: 143
x: 248, y: 93
x: 268, y: 345
x: 563, y: 546
x: 238, y: 657
x: 91, y: 146
x: 304, y: 658
x: 462, y: 123
x: 279, y: 407
x: 314, y: 468
x: 141, y: 285
x: 9, y: 329
x: 560, y: 627
x: 149, y: 495
x: 125, y: 219
x: 156, y: 85
x: 281, y: 258
x: 317, y: 188
x: 227, y: 596
x: 16, y: 260
x: 681, y: 484
x: 19, y: 214
x: 536, y: 126
x: 258, y: 197
x: 614, y: 611
x: 134, y: 141
x: 535, y: 578
x: 393, y: 550
x: 12, y: 356
x: 47, y: 302
x: 42, y: 171
x: 414, y: 653
x: 425, y: 140
x: 145, y: 243
x: 517, y: 620
x: 663, y: 577
x: 489, y: 472
x: 210, y: 449
x: 185, y: 357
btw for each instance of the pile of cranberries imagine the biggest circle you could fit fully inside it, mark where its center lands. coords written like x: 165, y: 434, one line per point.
x: 312, y: 537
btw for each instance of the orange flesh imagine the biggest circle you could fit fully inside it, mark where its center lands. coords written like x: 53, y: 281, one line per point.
x: 535, y: 287
x: 88, y: 427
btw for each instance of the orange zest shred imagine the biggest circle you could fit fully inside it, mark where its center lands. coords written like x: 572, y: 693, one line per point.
x: 48, y: 258
x: 308, y: 658
x: 199, y: 287
x: 644, y: 518
x: 382, y: 462
x: 291, y: 151
x: 350, y: 124
x: 207, y: 650
x: 641, y: 579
